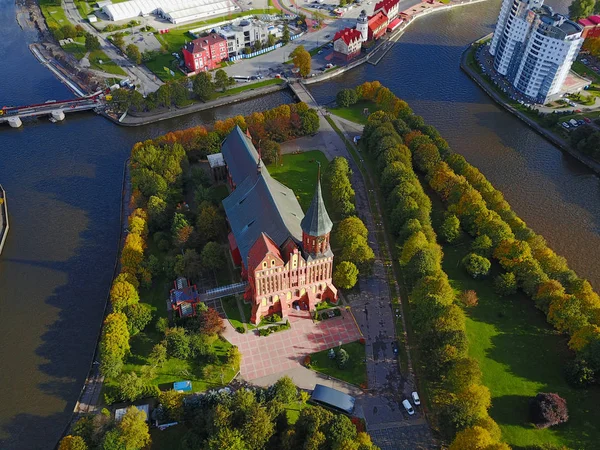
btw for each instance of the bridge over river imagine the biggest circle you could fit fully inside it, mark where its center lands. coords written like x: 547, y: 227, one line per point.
x: 53, y: 108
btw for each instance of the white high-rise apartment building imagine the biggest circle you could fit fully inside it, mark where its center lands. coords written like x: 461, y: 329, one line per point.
x: 534, y: 48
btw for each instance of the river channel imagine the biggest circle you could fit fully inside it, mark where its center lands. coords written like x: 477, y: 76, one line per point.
x: 64, y: 182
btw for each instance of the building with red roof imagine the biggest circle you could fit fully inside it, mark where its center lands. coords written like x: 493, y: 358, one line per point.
x: 390, y: 8
x: 284, y: 253
x: 183, y: 298
x: 591, y: 27
x: 377, y: 25
x: 204, y: 53
x: 347, y: 43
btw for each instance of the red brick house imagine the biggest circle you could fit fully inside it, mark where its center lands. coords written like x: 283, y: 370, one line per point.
x: 377, y: 25
x: 285, y: 255
x: 347, y: 43
x: 205, y: 53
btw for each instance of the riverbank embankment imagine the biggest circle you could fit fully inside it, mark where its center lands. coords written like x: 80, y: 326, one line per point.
x: 4, y: 224
x: 556, y: 140
x: 146, y: 119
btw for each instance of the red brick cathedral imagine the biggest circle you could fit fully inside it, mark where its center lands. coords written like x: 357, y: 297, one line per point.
x: 285, y: 255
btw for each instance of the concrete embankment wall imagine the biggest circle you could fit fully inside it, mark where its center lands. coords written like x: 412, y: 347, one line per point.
x: 139, y: 120
x: 4, y: 224
x: 550, y: 136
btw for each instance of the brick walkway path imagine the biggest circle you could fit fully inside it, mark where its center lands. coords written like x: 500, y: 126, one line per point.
x: 284, y: 350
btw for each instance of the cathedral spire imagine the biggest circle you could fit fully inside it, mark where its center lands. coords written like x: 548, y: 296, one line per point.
x: 316, y: 222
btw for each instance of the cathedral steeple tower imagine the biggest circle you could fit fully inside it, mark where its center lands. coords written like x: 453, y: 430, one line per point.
x: 316, y: 224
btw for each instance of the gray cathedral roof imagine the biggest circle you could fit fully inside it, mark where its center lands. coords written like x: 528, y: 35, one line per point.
x: 316, y: 221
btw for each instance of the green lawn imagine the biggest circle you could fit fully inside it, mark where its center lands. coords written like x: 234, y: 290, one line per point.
x: 54, y: 14
x: 354, y: 373
x: 158, y: 64
x: 230, y: 305
x: 585, y: 71
x: 520, y: 355
x: 299, y: 172
x: 293, y: 411
x: 247, y: 86
x: 77, y: 50
x: 107, y: 65
x: 355, y: 112
x: 171, y: 438
x: 84, y: 8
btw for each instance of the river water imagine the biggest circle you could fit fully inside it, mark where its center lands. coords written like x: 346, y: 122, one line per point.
x: 64, y: 180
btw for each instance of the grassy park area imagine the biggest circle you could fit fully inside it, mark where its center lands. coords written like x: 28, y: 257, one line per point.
x: 299, y: 172
x: 53, y: 13
x: 355, y: 371
x: 355, y: 112
x: 100, y: 61
x: 230, y: 305
x: 519, y: 355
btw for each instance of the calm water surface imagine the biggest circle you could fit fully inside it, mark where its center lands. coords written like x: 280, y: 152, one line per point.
x: 64, y: 180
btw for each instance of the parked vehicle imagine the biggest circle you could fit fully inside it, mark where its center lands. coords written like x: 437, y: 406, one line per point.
x: 408, y: 407
x: 587, y: 120
x: 565, y: 125
x: 573, y: 123
x: 416, y: 398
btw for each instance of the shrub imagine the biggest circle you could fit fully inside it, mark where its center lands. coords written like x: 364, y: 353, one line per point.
x: 342, y: 358
x: 548, y: 409
x: 505, y: 284
x: 476, y: 266
x: 469, y: 298
x: 579, y: 374
x: 307, y: 361
x: 240, y: 329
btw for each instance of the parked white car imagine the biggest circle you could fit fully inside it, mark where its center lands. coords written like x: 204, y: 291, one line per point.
x: 416, y: 399
x: 408, y: 407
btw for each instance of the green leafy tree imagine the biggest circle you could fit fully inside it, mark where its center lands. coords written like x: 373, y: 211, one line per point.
x: 164, y: 95
x: 345, y: 275
x: 133, y: 53
x: 450, y: 228
x: 285, y: 391
x: 189, y: 265
x: 271, y: 40
x: 349, y: 227
x: 310, y: 122
x: 505, y: 284
x: 234, y: 357
x: 68, y: 31
x: 580, y: 9
x: 302, y: 60
x: 114, y: 344
x: 138, y: 316
x: 123, y: 294
x: 172, y: 401
x: 203, y: 86
x: 133, y: 429
x: 286, y: 34
x: 227, y: 439
x: 483, y: 246
x: 212, y: 256
x: 341, y: 429
x: 210, y: 223
x: 158, y: 355
x: 346, y: 97
x: 222, y: 80
x: 178, y: 342
x: 118, y: 40
x: 112, y: 441
x: 131, y: 386
x: 270, y: 151
x: 477, y: 266
x: 357, y: 250
x: 258, y: 429
x: 72, y: 443
x: 91, y: 43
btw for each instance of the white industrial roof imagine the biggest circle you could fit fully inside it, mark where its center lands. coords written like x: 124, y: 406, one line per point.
x: 173, y: 8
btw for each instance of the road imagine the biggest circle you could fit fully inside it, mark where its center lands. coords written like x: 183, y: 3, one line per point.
x: 145, y: 80
x: 390, y: 427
